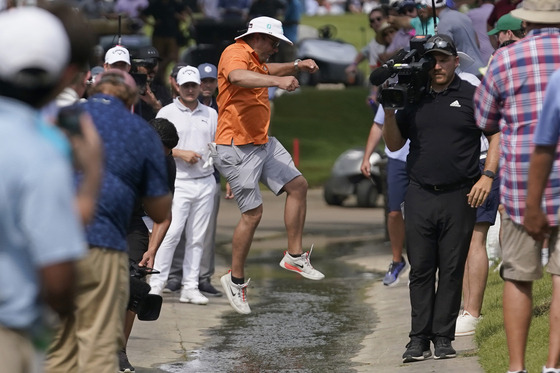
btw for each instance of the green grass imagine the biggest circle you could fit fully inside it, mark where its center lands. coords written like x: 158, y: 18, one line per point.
x: 351, y: 28
x: 490, y: 335
x: 326, y: 122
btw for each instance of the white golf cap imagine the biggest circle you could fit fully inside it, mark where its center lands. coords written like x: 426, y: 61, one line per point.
x: 188, y: 74
x: 266, y: 25
x: 117, y: 54
x: 32, y: 38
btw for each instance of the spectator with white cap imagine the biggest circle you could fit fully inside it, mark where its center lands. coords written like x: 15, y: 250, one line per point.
x: 117, y: 57
x: 42, y: 237
x: 245, y: 154
x: 208, y: 87
x: 194, y: 186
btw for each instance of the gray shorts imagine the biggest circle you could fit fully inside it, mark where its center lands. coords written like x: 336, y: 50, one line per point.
x: 522, y: 255
x: 245, y: 165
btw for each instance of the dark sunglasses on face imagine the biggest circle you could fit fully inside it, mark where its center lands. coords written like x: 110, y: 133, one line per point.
x: 377, y: 19
x: 439, y: 44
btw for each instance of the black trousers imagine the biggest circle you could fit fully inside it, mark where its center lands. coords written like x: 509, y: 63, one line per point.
x: 439, y: 226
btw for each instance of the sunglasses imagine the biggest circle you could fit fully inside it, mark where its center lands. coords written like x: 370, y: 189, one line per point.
x: 275, y: 42
x: 439, y: 44
x: 373, y: 20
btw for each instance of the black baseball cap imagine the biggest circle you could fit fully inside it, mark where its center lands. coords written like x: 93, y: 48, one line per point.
x: 440, y: 43
x: 176, y: 69
x: 145, y: 53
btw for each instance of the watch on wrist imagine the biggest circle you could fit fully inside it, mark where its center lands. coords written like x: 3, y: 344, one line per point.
x: 489, y: 173
x: 296, y: 63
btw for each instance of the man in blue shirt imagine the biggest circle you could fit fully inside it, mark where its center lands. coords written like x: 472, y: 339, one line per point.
x: 535, y: 220
x: 134, y: 168
x: 40, y: 233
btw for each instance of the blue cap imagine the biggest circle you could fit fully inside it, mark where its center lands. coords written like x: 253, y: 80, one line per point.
x: 207, y: 70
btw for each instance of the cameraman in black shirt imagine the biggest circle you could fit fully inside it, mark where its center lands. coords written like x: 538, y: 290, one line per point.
x: 440, y: 205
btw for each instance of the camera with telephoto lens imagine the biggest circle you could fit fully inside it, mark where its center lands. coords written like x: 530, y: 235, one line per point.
x: 412, y: 70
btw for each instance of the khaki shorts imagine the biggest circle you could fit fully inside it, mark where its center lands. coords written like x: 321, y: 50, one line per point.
x: 17, y: 353
x: 522, y: 255
x: 89, y: 339
x: 245, y: 165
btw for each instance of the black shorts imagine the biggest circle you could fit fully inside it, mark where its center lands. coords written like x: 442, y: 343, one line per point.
x: 137, y: 241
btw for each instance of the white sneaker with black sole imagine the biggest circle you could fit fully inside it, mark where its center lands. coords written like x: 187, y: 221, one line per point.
x: 236, y: 294
x: 301, y: 265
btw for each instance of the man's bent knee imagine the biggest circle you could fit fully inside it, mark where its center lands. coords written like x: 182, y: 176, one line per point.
x: 297, y: 185
x: 253, y: 216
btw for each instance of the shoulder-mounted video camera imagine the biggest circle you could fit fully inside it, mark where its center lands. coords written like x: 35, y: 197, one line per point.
x: 412, y: 70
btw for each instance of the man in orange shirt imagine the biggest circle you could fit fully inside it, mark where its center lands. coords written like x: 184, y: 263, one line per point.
x: 246, y: 155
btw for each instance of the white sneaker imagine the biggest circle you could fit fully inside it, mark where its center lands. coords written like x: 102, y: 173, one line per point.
x: 550, y: 370
x: 466, y: 324
x: 156, y: 287
x: 192, y: 296
x: 301, y: 265
x: 236, y: 294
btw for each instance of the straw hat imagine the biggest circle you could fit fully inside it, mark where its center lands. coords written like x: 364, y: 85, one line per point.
x: 539, y: 11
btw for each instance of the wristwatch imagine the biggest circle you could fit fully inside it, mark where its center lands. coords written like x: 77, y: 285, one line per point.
x: 296, y: 62
x: 490, y: 174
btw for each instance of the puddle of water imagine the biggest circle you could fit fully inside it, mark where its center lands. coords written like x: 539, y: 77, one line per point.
x: 296, y: 325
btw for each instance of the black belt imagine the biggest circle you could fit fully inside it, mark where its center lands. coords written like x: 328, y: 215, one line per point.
x: 445, y: 187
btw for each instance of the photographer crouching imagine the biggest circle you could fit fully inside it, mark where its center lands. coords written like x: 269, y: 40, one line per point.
x: 445, y: 189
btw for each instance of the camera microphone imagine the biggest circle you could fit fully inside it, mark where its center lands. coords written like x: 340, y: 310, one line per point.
x: 381, y: 74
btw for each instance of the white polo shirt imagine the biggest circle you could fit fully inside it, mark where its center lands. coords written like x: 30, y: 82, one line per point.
x: 196, y: 129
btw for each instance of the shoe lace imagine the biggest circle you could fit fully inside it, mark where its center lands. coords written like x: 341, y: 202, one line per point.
x: 243, y: 290
x: 307, y: 256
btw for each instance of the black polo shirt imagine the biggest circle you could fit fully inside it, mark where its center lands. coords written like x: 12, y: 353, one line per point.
x: 444, y: 138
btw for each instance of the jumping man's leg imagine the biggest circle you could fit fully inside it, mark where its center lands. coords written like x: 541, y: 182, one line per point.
x: 294, y: 213
x: 242, y: 239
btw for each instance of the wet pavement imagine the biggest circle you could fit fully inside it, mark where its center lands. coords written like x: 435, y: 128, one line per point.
x: 347, y: 322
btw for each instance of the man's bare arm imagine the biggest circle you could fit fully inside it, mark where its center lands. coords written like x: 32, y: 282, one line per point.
x: 252, y: 79
x: 535, y: 220
x: 391, y: 132
x: 157, y: 208
x: 289, y: 68
x: 58, y: 286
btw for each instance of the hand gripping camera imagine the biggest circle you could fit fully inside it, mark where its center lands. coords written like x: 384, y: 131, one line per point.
x: 412, y: 70
x: 147, y: 306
